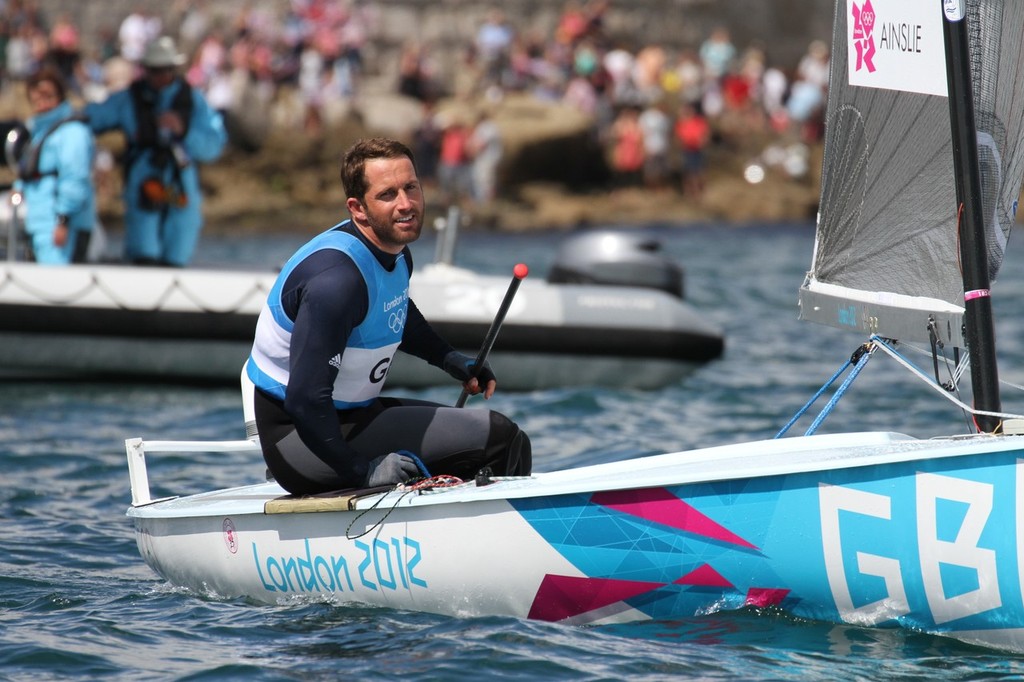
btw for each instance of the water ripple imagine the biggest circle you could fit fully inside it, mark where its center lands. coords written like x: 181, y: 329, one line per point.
x: 77, y: 601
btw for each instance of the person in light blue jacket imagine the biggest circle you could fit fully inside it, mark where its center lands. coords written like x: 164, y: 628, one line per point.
x: 55, y: 174
x: 170, y: 128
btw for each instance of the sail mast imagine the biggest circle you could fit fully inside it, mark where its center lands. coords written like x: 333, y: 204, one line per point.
x: 978, y: 332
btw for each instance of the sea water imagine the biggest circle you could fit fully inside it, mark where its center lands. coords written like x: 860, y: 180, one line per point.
x: 78, y: 602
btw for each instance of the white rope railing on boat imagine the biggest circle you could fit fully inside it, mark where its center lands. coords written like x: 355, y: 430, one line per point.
x: 254, y: 294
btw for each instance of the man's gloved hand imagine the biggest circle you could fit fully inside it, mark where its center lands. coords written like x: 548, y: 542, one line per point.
x: 391, y: 469
x: 460, y: 366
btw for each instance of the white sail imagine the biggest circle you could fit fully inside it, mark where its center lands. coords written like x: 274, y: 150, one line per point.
x: 886, y: 253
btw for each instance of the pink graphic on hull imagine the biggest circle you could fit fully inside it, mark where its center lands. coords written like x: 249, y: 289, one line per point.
x: 761, y: 597
x: 562, y: 596
x: 704, y: 576
x: 661, y: 506
x: 863, y: 40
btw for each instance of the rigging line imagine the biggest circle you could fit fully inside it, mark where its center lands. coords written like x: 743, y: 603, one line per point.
x: 864, y: 352
x: 810, y: 402
x: 418, y: 486
x: 936, y: 344
x: 894, y: 354
x: 939, y: 348
x: 379, y: 522
x: 960, y: 368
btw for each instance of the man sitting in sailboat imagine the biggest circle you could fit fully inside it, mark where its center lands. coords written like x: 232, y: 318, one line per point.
x: 324, y: 341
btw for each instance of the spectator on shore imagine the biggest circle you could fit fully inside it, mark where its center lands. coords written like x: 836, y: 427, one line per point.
x: 454, y: 174
x: 814, y: 65
x: 194, y: 23
x: 55, y: 174
x: 493, y: 44
x: 717, y: 53
x: 353, y: 33
x: 627, y: 140
x: 65, y: 51
x: 137, y: 30
x: 426, y: 144
x: 693, y: 134
x: 648, y: 66
x: 656, y: 127
x: 619, y: 63
x: 485, y: 151
x: 207, y: 59
x: 774, y: 85
x: 22, y: 51
x: 417, y: 73
x: 580, y: 93
x: 312, y: 76
x: 572, y: 24
x: 170, y: 128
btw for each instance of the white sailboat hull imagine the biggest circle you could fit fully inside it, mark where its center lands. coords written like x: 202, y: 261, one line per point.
x: 875, y: 529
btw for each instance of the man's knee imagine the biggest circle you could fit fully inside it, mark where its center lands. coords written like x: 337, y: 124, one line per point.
x: 509, y: 448
x: 520, y: 455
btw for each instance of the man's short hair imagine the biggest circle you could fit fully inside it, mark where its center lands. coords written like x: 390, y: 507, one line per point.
x: 353, y: 164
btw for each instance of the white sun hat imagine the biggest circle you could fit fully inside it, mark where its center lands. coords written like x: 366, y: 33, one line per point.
x: 162, y: 53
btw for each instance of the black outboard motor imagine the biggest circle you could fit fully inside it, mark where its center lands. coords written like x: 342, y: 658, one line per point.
x: 617, y: 258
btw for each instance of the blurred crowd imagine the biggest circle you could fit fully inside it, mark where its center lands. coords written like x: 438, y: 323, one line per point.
x: 656, y: 111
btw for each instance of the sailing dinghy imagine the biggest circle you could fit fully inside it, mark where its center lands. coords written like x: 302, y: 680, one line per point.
x: 872, y: 528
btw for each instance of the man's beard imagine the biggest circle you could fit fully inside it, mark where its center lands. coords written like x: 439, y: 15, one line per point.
x: 390, y: 234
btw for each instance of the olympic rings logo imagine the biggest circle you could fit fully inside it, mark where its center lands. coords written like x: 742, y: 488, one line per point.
x: 397, y: 321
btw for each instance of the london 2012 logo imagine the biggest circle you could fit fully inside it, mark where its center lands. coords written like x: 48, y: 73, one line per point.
x: 863, y: 35
x: 896, y: 45
x: 230, y: 536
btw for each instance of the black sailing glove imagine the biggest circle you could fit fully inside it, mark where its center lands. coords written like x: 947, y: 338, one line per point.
x: 460, y: 366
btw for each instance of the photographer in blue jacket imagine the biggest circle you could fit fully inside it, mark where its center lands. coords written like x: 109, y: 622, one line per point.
x: 170, y: 128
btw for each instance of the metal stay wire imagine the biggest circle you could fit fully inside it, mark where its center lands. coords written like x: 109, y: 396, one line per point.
x: 876, y: 342
x: 894, y: 354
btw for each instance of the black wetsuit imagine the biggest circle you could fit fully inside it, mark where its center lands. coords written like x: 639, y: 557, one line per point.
x: 310, y: 446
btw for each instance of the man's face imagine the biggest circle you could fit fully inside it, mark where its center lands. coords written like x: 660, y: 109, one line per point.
x: 160, y: 77
x: 391, y: 212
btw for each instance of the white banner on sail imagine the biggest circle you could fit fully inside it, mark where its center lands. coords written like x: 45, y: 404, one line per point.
x: 896, y: 45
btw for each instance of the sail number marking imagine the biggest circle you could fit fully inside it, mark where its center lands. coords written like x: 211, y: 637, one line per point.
x: 872, y: 587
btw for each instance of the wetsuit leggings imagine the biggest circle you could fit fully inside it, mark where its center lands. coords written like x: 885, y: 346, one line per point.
x: 448, y: 440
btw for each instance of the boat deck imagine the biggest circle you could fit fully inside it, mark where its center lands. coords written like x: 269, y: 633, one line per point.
x: 740, y: 461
